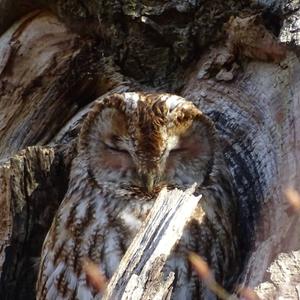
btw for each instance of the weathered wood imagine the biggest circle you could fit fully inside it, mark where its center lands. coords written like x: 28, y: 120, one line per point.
x: 32, y: 183
x: 290, y: 32
x: 139, y: 275
x: 152, y: 42
x: 44, y: 74
x: 284, y: 278
x: 257, y: 116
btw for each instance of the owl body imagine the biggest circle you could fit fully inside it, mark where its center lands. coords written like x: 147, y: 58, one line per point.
x: 130, y: 146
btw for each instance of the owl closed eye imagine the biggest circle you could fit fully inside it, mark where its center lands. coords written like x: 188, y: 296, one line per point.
x: 148, y: 143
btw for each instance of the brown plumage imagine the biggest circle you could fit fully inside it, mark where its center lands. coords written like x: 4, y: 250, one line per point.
x: 130, y: 146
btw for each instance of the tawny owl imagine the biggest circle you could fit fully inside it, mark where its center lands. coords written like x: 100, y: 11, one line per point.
x: 130, y: 146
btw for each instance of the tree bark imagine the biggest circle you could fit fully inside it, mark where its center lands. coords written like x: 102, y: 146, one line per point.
x: 54, y: 62
x: 32, y: 184
x: 170, y: 214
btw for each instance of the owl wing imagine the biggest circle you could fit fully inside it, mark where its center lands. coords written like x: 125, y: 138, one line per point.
x: 84, y: 228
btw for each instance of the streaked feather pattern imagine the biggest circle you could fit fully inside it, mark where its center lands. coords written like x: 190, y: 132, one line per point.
x: 130, y: 146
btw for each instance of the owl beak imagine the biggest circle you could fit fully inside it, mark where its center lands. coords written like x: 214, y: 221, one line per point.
x: 148, y: 181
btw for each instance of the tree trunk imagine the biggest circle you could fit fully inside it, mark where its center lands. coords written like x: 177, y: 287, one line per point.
x: 55, y: 61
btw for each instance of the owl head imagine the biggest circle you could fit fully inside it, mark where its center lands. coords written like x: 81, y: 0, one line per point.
x: 147, y: 141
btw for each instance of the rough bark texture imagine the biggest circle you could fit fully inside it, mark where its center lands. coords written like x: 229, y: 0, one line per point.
x: 140, y: 273
x: 151, y: 41
x: 32, y: 185
x: 258, y: 118
x: 46, y: 74
x: 290, y: 31
x: 52, y: 67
